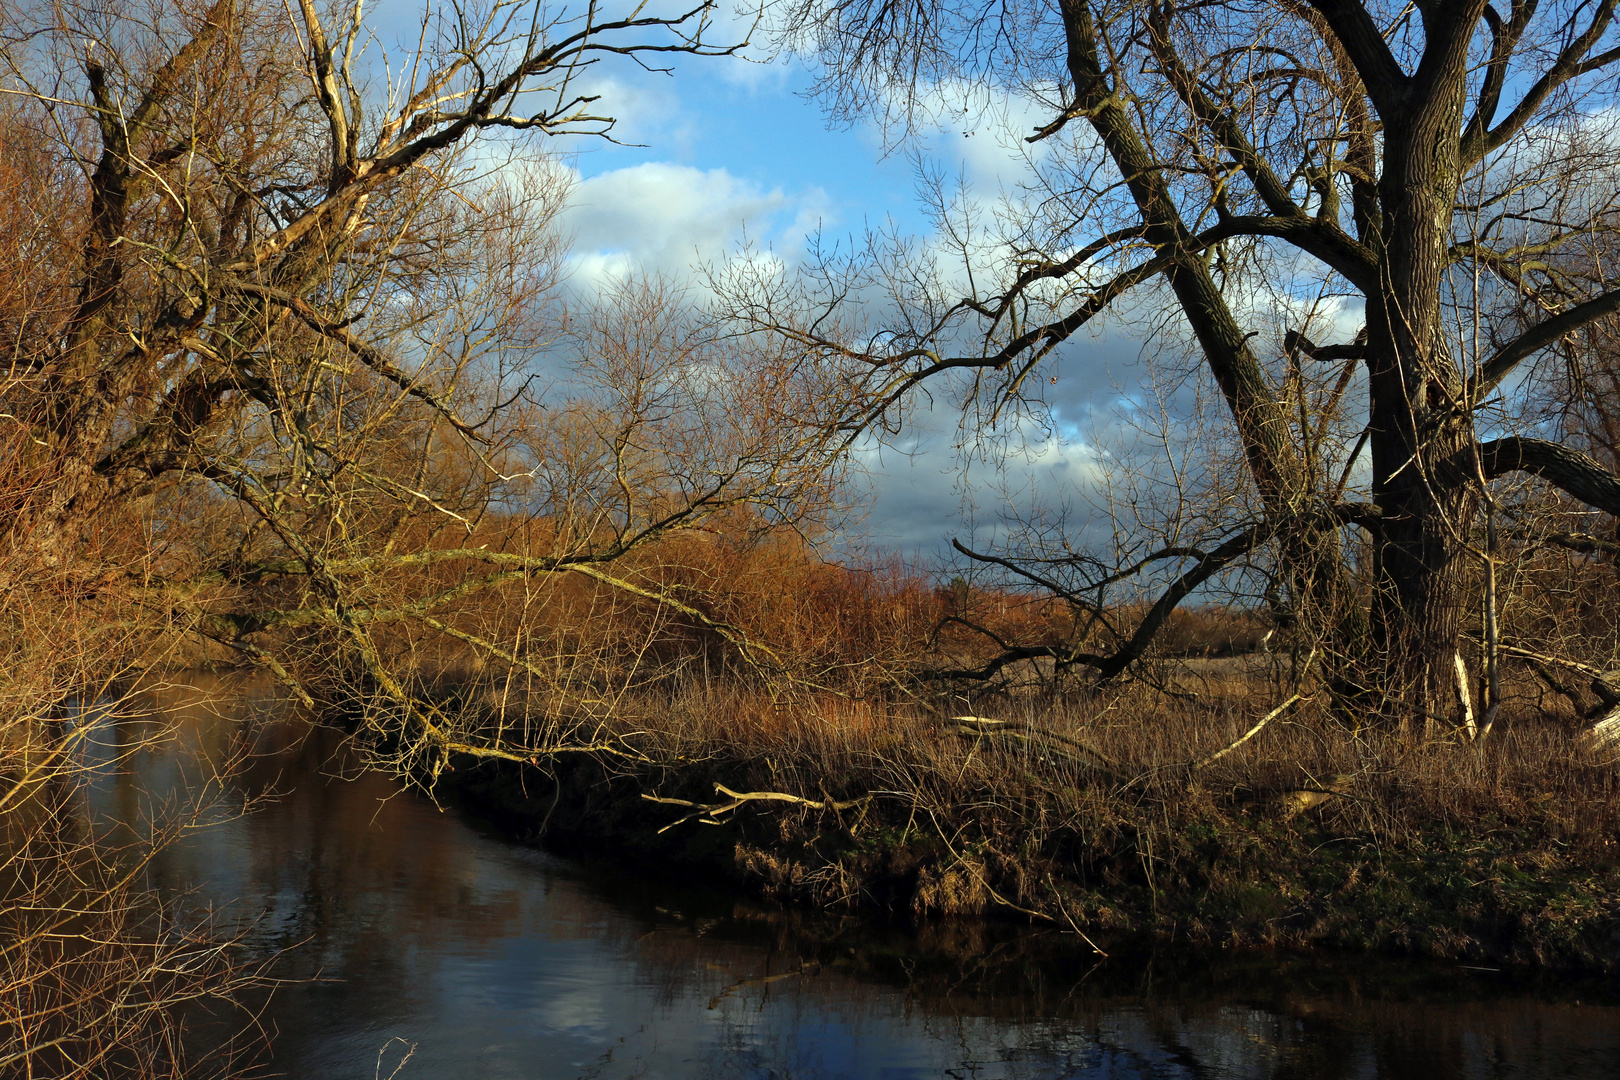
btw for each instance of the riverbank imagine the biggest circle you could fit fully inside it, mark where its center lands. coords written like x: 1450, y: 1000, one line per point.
x: 408, y: 936
x: 1096, y: 823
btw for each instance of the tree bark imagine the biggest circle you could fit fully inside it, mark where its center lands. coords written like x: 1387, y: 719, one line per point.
x: 1419, y: 427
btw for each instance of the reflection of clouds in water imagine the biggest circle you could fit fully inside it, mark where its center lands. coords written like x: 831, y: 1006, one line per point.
x: 581, y: 1011
x: 596, y: 1006
x: 1230, y: 1042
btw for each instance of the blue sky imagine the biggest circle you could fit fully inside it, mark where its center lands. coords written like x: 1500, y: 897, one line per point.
x: 754, y: 124
x: 729, y: 150
x: 733, y: 149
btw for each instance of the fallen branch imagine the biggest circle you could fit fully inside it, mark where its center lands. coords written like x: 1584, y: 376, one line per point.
x: 1601, y: 684
x: 1604, y: 732
x: 1048, y: 741
x: 1295, y: 801
x: 1247, y: 735
x: 708, y: 813
x: 1293, y: 699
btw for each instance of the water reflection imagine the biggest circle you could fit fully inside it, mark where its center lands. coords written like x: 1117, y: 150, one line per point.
x: 492, y: 960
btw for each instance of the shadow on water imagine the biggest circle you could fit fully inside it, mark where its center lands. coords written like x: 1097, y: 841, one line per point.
x: 406, y: 926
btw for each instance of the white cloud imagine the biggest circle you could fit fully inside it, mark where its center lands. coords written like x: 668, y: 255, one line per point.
x: 987, y: 138
x: 663, y: 218
x: 966, y: 127
x: 644, y: 105
x: 759, y: 64
x: 923, y: 493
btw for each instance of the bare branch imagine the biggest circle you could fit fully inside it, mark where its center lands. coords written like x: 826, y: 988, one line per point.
x: 1566, y: 469
x: 1538, y: 337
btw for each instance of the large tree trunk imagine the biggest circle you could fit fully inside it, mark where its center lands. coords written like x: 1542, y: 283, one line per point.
x: 1420, y: 428
x: 1420, y: 595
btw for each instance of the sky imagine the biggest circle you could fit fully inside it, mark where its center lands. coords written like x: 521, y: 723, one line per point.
x: 722, y: 153
x: 728, y: 151
x: 735, y: 150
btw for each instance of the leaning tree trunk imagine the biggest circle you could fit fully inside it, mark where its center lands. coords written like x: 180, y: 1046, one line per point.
x: 1317, y: 575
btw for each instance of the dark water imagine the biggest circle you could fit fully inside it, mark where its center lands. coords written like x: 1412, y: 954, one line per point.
x: 421, y: 944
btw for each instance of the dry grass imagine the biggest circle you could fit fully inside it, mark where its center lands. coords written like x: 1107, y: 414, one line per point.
x: 1097, y: 815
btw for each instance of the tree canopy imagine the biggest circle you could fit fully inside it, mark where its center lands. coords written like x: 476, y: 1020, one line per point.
x: 1443, y: 172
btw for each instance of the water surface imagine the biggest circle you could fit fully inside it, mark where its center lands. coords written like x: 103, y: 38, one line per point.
x: 419, y: 944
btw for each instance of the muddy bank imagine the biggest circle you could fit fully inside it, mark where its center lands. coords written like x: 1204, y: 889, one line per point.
x: 1524, y: 887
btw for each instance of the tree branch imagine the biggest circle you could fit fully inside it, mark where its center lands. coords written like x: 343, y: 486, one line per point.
x: 1570, y: 64
x: 357, y: 347
x: 1364, y: 44
x: 1538, y: 337
x: 1566, y: 469
x: 1111, y: 666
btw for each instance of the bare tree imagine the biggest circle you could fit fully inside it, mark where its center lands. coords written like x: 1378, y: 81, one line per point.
x: 239, y: 189
x: 1439, y: 165
x: 307, y: 386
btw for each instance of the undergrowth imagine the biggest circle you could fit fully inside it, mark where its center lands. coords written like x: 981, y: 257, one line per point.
x: 1105, y: 816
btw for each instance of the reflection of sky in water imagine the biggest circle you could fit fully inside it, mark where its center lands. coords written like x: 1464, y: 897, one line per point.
x: 530, y: 1004
x: 496, y: 961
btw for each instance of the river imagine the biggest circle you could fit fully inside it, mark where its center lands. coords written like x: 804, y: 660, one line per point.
x: 413, y: 942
